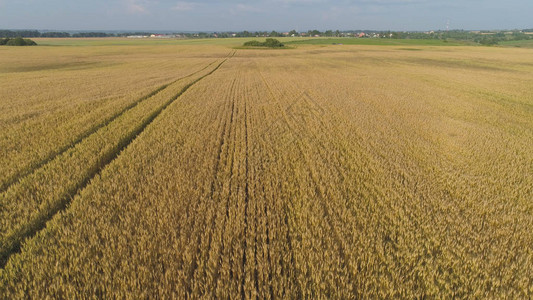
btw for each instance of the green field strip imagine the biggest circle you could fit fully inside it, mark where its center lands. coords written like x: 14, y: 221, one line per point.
x: 26, y: 206
x: 37, y: 165
x: 376, y: 42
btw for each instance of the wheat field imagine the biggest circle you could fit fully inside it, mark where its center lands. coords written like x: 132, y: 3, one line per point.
x: 194, y: 170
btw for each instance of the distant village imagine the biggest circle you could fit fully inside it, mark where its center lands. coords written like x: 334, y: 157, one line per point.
x: 275, y: 34
x: 477, y: 36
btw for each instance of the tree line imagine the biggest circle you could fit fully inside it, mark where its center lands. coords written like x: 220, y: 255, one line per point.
x: 481, y: 37
x: 54, y: 34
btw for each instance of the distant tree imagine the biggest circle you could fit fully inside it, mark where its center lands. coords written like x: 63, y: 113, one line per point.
x: 517, y: 35
x: 253, y: 43
x: 489, y: 41
x: 56, y: 34
x: 273, y: 43
x: 261, y: 33
x: 30, y: 42
x: 244, y: 34
x: 92, y: 34
x: 314, y: 32
x: 19, y: 33
x: 17, y: 42
x: 293, y: 32
x: 269, y: 42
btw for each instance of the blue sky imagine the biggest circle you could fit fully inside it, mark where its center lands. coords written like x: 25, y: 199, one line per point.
x: 233, y: 15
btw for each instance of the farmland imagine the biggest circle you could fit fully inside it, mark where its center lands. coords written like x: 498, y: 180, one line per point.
x: 174, y: 169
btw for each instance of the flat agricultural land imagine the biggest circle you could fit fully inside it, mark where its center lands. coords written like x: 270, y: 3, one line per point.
x: 190, y: 169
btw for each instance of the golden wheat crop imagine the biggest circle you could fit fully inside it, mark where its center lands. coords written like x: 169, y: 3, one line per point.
x: 52, y: 98
x: 319, y: 172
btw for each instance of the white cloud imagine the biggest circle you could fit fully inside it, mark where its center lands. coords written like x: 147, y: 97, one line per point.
x: 137, y: 6
x: 380, y: 2
x: 244, y: 8
x: 247, y: 8
x: 184, y: 6
x: 300, y: 1
x: 335, y: 13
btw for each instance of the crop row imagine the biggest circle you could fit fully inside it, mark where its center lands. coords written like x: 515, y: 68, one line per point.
x: 28, y: 204
x: 52, y: 104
